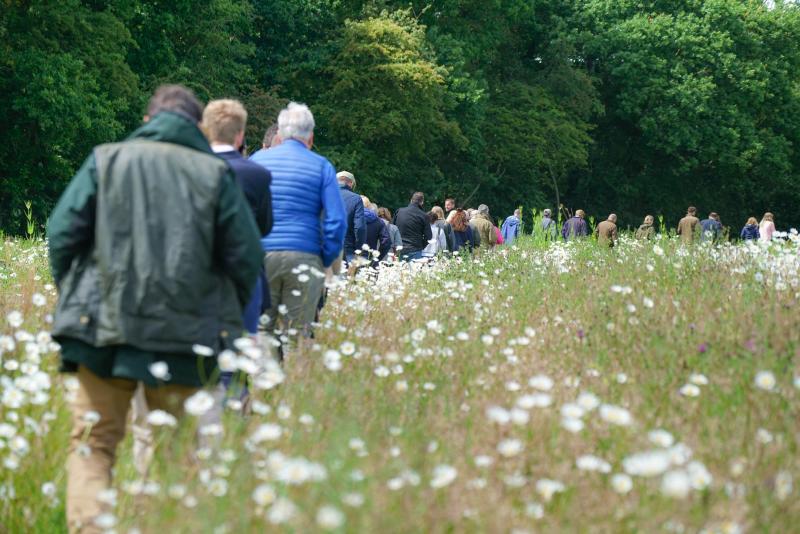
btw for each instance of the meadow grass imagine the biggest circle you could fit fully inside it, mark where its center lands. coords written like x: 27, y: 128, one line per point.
x: 441, y: 419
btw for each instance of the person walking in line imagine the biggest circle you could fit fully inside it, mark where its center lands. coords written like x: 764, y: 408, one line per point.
x: 512, y: 227
x: 498, y: 235
x: 394, y: 232
x: 711, y: 228
x: 356, y: 233
x: 143, y: 283
x: 575, y: 226
x: 476, y: 236
x: 271, y: 137
x: 462, y: 232
x: 378, y: 239
x: 438, y: 242
x: 687, y: 227
x: 449, y: 206
x: 767, y: 227
x: 310, y: 223
x: 606, y: 231
x: 750, y: 231
x: 485, y: 229
x: 646, y: 230
x: 548, y: 225
x: 415, y: 228
x: 442, y: 224
x: 224, y: 123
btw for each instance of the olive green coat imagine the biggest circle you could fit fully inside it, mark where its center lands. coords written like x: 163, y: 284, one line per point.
x: 485, y: 229
x: 646, y: 231
x: 606, y: 233
x: 687, y: 228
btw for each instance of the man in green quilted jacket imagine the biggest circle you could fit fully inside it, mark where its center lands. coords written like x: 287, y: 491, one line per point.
x: 155, y: 253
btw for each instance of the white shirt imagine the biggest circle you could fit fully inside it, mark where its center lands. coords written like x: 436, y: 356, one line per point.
x: 222, y: 148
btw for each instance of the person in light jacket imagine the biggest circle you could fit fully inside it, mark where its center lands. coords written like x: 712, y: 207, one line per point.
x: 512, y: 227
x: 767, y: 227
x: 438, y: 242
x: 444, y: 226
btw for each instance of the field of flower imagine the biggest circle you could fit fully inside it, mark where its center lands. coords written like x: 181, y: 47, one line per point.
x: 650, y: 388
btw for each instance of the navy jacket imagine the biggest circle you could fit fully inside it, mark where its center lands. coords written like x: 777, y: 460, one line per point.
x: 308, y: 210
x: 377, y: 234
x: 750, y: 232
x: 463, y: 239
x: 574, y: 227
x: 254, y: 181
x: 414, y: 227
x: 710, y: 229
x: 356, y: 234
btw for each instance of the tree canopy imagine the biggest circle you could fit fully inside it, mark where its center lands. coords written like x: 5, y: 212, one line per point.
x: 632, y: 107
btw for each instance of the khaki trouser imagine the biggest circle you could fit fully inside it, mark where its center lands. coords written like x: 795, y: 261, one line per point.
x: 89, y: 470
x: 288, y: 287
x: 143, y: 443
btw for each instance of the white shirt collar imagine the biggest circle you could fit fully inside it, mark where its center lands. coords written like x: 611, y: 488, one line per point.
x: 222, y: 148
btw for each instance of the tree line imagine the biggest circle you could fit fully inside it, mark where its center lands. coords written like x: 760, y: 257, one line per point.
x: 635, y: 107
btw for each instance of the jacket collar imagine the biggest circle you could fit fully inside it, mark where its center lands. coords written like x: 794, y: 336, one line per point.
x: 415, y: 205
x: 343, y: 186
x: 295, y: 143
x: 171, y: 127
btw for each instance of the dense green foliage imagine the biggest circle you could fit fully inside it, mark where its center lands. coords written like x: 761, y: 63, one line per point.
x: 634, y: 107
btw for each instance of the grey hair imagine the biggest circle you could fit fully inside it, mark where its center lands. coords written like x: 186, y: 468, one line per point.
x: 547, y: 212
x: 517, y: 212
x: 373, y: 207
x: 346, y: 178
x: 296, y: 122
x: 483, y: 208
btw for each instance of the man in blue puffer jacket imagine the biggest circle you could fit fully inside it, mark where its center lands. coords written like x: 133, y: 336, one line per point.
x: 356, y: 233
x: 309, y: 222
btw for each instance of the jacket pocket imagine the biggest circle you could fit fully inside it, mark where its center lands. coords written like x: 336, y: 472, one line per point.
x: 79, y: 303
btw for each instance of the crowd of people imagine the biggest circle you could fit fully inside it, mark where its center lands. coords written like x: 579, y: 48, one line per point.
x: 166, y: 246
x: 690, y: 228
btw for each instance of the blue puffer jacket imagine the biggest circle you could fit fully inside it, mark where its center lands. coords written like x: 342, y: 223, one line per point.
x: 307, y: 208
x: 510, y: 229
x: 356, y: 233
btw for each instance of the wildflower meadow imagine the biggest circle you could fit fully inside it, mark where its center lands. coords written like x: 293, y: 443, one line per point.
x: 539, y: 387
